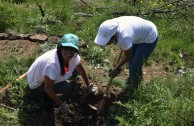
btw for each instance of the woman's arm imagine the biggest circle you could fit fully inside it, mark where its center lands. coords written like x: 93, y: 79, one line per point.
x: 82, y: 72
x: 49, y: 90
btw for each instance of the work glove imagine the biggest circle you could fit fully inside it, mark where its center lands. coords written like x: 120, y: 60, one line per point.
x: 92, y: 89
x: 113, y: 73
x: 64, y: 108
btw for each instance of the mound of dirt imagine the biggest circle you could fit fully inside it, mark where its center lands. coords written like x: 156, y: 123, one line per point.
x: 80, y: 101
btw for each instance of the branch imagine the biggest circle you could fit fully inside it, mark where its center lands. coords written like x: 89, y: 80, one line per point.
x: 8, y: 107
x: 86, y: 4
x: 41, y: 10
x: 158, y: 12
x: 84, y: 14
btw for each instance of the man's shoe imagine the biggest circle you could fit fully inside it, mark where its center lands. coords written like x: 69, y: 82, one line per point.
x: 125, y: 95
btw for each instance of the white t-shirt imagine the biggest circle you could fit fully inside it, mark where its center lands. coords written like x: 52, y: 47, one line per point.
x: 48, y: 64
x: 134, y: 30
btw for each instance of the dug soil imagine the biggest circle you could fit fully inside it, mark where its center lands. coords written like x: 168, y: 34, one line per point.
x: 80, y: 105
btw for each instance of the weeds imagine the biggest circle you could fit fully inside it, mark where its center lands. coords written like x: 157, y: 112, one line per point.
x: 162, y: 102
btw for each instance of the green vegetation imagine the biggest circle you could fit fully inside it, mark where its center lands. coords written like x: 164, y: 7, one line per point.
x: 159, y: 102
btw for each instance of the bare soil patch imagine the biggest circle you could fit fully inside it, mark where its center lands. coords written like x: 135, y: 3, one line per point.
x: 17, y: 48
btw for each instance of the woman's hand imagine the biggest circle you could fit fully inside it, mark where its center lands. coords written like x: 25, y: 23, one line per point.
x: 92, y: 89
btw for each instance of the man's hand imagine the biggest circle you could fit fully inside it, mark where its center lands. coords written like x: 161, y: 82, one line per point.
x: 113, y: 73
x: 92, y: 89
x: 64, y: 108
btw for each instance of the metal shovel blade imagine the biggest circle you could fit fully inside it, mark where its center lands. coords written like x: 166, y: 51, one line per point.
x: 93, y: 107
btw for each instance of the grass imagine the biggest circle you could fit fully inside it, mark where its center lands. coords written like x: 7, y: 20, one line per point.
x: 162, y: 102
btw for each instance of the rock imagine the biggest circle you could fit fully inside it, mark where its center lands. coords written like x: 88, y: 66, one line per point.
x: 83, y: 44
x: 23, y: 36
x: 54, y: 39
x: 181, y: 71
x: 4, y: 36
x: 38, y: 38
x: 13, y: 35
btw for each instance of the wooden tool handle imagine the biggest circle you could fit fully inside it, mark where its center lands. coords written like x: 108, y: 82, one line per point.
x: 120, y: 54
x: 106, y: 92
x: 9, y: 85
x: 5, y: 88
x: 108, y: 86
x: 21, y: 76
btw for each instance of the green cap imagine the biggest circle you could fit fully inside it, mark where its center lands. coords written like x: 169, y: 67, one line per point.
x: 70, y: 40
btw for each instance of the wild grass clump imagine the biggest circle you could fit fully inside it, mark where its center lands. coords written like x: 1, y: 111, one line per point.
x: 9, y: 116
x: 6, y: 20
x: 9, y: 76
x: 160, y: 102
x: 174, y: 43
x: 94, y: 56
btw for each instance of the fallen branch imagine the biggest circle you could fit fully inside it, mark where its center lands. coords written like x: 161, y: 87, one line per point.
x: 83, y: 14
x: 8, y: 107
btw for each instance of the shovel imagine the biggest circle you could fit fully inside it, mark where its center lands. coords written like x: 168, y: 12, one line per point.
x: 107, y: 89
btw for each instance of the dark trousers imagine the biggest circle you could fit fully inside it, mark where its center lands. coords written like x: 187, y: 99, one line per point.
x: 140, y: 53
x: 59, y: 88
